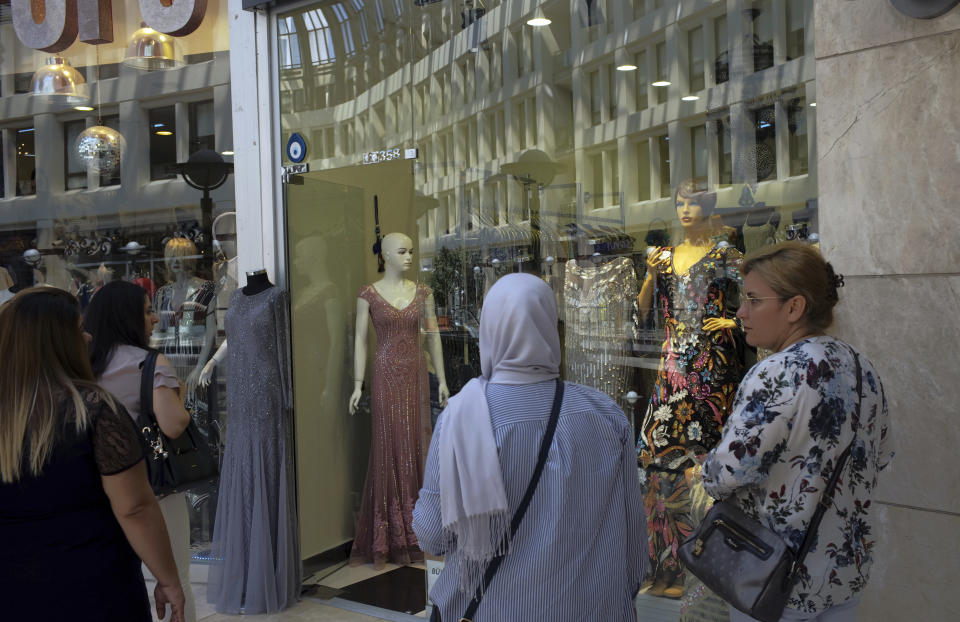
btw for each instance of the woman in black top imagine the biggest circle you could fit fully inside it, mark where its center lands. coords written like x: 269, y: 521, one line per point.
x: 75, y: 506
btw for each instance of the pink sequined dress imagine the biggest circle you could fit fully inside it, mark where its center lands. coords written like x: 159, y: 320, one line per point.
x: 400, y: 401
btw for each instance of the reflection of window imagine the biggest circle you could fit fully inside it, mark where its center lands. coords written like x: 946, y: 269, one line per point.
x: 75, y: 173
x: 202, y: 132
x: 26, y: 162
x: 612, y: 91
x: 643, y: 170
x: 643, y: 81
x: 663, y: 153
x: 288, y: 43
x: 663, y: 72
x: 797, y: 124
x: 112, y: 178
x: 344, y: 19
x: 521, y: 114
x: 378, y: 14
x: 698, y: 152
x: 695, y: 50
x: 795, y: 28
x: 762, y: 13
x: 721, y: 65
x: 724, y: 152
x: 163, y: 142
x: 639, y: 8
x: 320, y: 38
x: 765, y: 148
x: 358, y: 6
x: 595, y: 97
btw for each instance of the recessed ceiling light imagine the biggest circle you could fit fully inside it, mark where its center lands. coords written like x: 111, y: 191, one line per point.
x: 626, y: 67
x: 660, y: 83
x: 83, y: 108
x: 813, y: 104
x: 226, y: 153
x: 538, y: 21
x: 164, y: 133
x: 689, y: 98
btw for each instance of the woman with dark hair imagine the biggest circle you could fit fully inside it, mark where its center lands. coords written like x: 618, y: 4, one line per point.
x: 795, y: 414
x: 695, y: 286
x: 74, y: 496
x: 120, y: 317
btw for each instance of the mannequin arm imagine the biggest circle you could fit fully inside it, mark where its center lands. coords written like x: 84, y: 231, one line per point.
x: 218, y: 356
x: 359, y: 352
x: 436, y: 349
x: 655, y: 263
x: 208, y: 340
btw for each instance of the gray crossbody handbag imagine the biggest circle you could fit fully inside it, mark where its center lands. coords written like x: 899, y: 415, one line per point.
x: 748, y: 565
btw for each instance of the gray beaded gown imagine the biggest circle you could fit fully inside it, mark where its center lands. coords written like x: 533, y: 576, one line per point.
x: 255, y: 537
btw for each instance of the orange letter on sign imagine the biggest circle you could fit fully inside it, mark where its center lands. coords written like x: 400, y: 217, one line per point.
x: 173, y: 17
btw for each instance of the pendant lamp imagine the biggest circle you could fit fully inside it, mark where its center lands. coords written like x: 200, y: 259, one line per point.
x: 57, y: 82
x: 150, y: 50
x: 99, y: 147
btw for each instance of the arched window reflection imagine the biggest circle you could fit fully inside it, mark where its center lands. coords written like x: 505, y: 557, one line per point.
x: 320, y: 38
x: 344, y: 19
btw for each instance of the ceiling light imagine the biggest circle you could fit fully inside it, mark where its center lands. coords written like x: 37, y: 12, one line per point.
x: 56, y: 82
x: 83, y: 108
x: 226, y: 153
x: 660, y: 83
x: 813, y: 104
x: 164, y: 133
x: 689, y: 98
x: 538, y: 20
x: 626, y: 67
x: 150, y: 50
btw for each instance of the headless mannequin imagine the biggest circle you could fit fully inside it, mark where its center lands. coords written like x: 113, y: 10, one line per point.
x: 399, y: 293
x: 257, y: 281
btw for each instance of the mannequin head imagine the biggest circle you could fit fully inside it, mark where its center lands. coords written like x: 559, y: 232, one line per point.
x: 694, y: 204
x: 397, y: 251
x: 180, y: 258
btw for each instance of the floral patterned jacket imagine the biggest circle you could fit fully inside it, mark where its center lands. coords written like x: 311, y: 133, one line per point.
x: 793, y: 415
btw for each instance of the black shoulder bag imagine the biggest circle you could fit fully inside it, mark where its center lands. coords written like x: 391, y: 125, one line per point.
x: 173, y: 464
x: 748, y: 565
x: 521, y: 509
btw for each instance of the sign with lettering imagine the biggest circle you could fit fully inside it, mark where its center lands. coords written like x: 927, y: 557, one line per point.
x: 53, y: 25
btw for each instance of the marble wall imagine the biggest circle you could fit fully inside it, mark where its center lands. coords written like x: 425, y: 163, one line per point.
x: 888, y: 93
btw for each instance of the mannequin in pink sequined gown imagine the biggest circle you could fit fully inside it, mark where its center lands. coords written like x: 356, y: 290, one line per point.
x: 400, y: 401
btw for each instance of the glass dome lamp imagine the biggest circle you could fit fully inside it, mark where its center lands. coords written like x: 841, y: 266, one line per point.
x: 150, y: 50
x: 100, y: 148
x: 57, y: 82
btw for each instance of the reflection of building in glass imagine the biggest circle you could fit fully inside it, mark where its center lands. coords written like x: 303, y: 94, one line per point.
x: 723, y: 96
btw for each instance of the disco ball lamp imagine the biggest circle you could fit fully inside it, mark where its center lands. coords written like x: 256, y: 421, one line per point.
x: 101, y: 148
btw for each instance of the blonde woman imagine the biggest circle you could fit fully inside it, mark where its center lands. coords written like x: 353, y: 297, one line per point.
x: 74, y: 497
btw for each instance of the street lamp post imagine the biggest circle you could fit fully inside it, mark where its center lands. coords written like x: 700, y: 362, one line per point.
x: 205, y: 170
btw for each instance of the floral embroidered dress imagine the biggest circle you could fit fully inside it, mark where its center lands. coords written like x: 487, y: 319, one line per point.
x: 696, y: 381
x: 793, y: 416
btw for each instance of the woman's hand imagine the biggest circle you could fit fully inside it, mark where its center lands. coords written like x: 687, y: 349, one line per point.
x: 657, y: 260
x: 716, y: 324
x: 172, y: 595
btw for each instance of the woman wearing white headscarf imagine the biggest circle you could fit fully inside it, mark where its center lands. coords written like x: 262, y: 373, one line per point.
x: 580, y: 552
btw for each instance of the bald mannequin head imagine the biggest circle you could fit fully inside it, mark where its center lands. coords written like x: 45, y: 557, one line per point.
x: 397, y: 249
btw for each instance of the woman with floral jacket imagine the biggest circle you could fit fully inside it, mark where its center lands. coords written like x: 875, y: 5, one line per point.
x: 794, y: 414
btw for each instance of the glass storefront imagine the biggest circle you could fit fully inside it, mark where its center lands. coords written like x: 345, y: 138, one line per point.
x: 91, y: 191
x: 578, y: 141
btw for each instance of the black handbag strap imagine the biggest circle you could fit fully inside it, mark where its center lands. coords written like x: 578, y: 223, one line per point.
x: 147, y: 370
x: 826, y: 501
x: 522, y: 508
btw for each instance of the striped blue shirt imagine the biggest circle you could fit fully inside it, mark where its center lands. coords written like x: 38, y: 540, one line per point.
x: 581, y: 550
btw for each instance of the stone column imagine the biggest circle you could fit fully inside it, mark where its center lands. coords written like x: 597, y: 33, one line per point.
x: 888, y: 130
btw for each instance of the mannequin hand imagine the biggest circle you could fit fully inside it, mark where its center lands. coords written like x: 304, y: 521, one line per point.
x: 182, y: 393
x: 193, y: 380
x: 354, y: 400
x: 443, y: 393
x: 207, y: 373
x: 656, y: 262
x: 716, y: 324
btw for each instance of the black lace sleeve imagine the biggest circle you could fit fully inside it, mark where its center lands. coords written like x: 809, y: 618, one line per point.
x: 116, y: 443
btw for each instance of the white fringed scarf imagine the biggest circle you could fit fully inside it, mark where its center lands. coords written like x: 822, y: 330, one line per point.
x: 519, y: 344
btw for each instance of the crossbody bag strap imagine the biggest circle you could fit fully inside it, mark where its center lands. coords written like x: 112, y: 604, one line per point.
x: 826, y: 501
x: 147, y: 370
x: 527, y: 497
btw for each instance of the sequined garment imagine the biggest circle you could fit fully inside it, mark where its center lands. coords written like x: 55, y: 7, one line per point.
x: 255, y: 533
x: 400, y: 399
x: 600, y: 322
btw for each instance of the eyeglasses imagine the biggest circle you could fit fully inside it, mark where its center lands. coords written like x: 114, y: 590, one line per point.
x: 751, y: 302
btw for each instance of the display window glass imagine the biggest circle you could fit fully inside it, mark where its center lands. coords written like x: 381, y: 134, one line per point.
x: 588, y: 144
x: 91, y: 190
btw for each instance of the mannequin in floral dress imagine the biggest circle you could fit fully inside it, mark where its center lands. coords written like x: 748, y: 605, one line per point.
x: 400, y: 400
x: 697, y: 292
